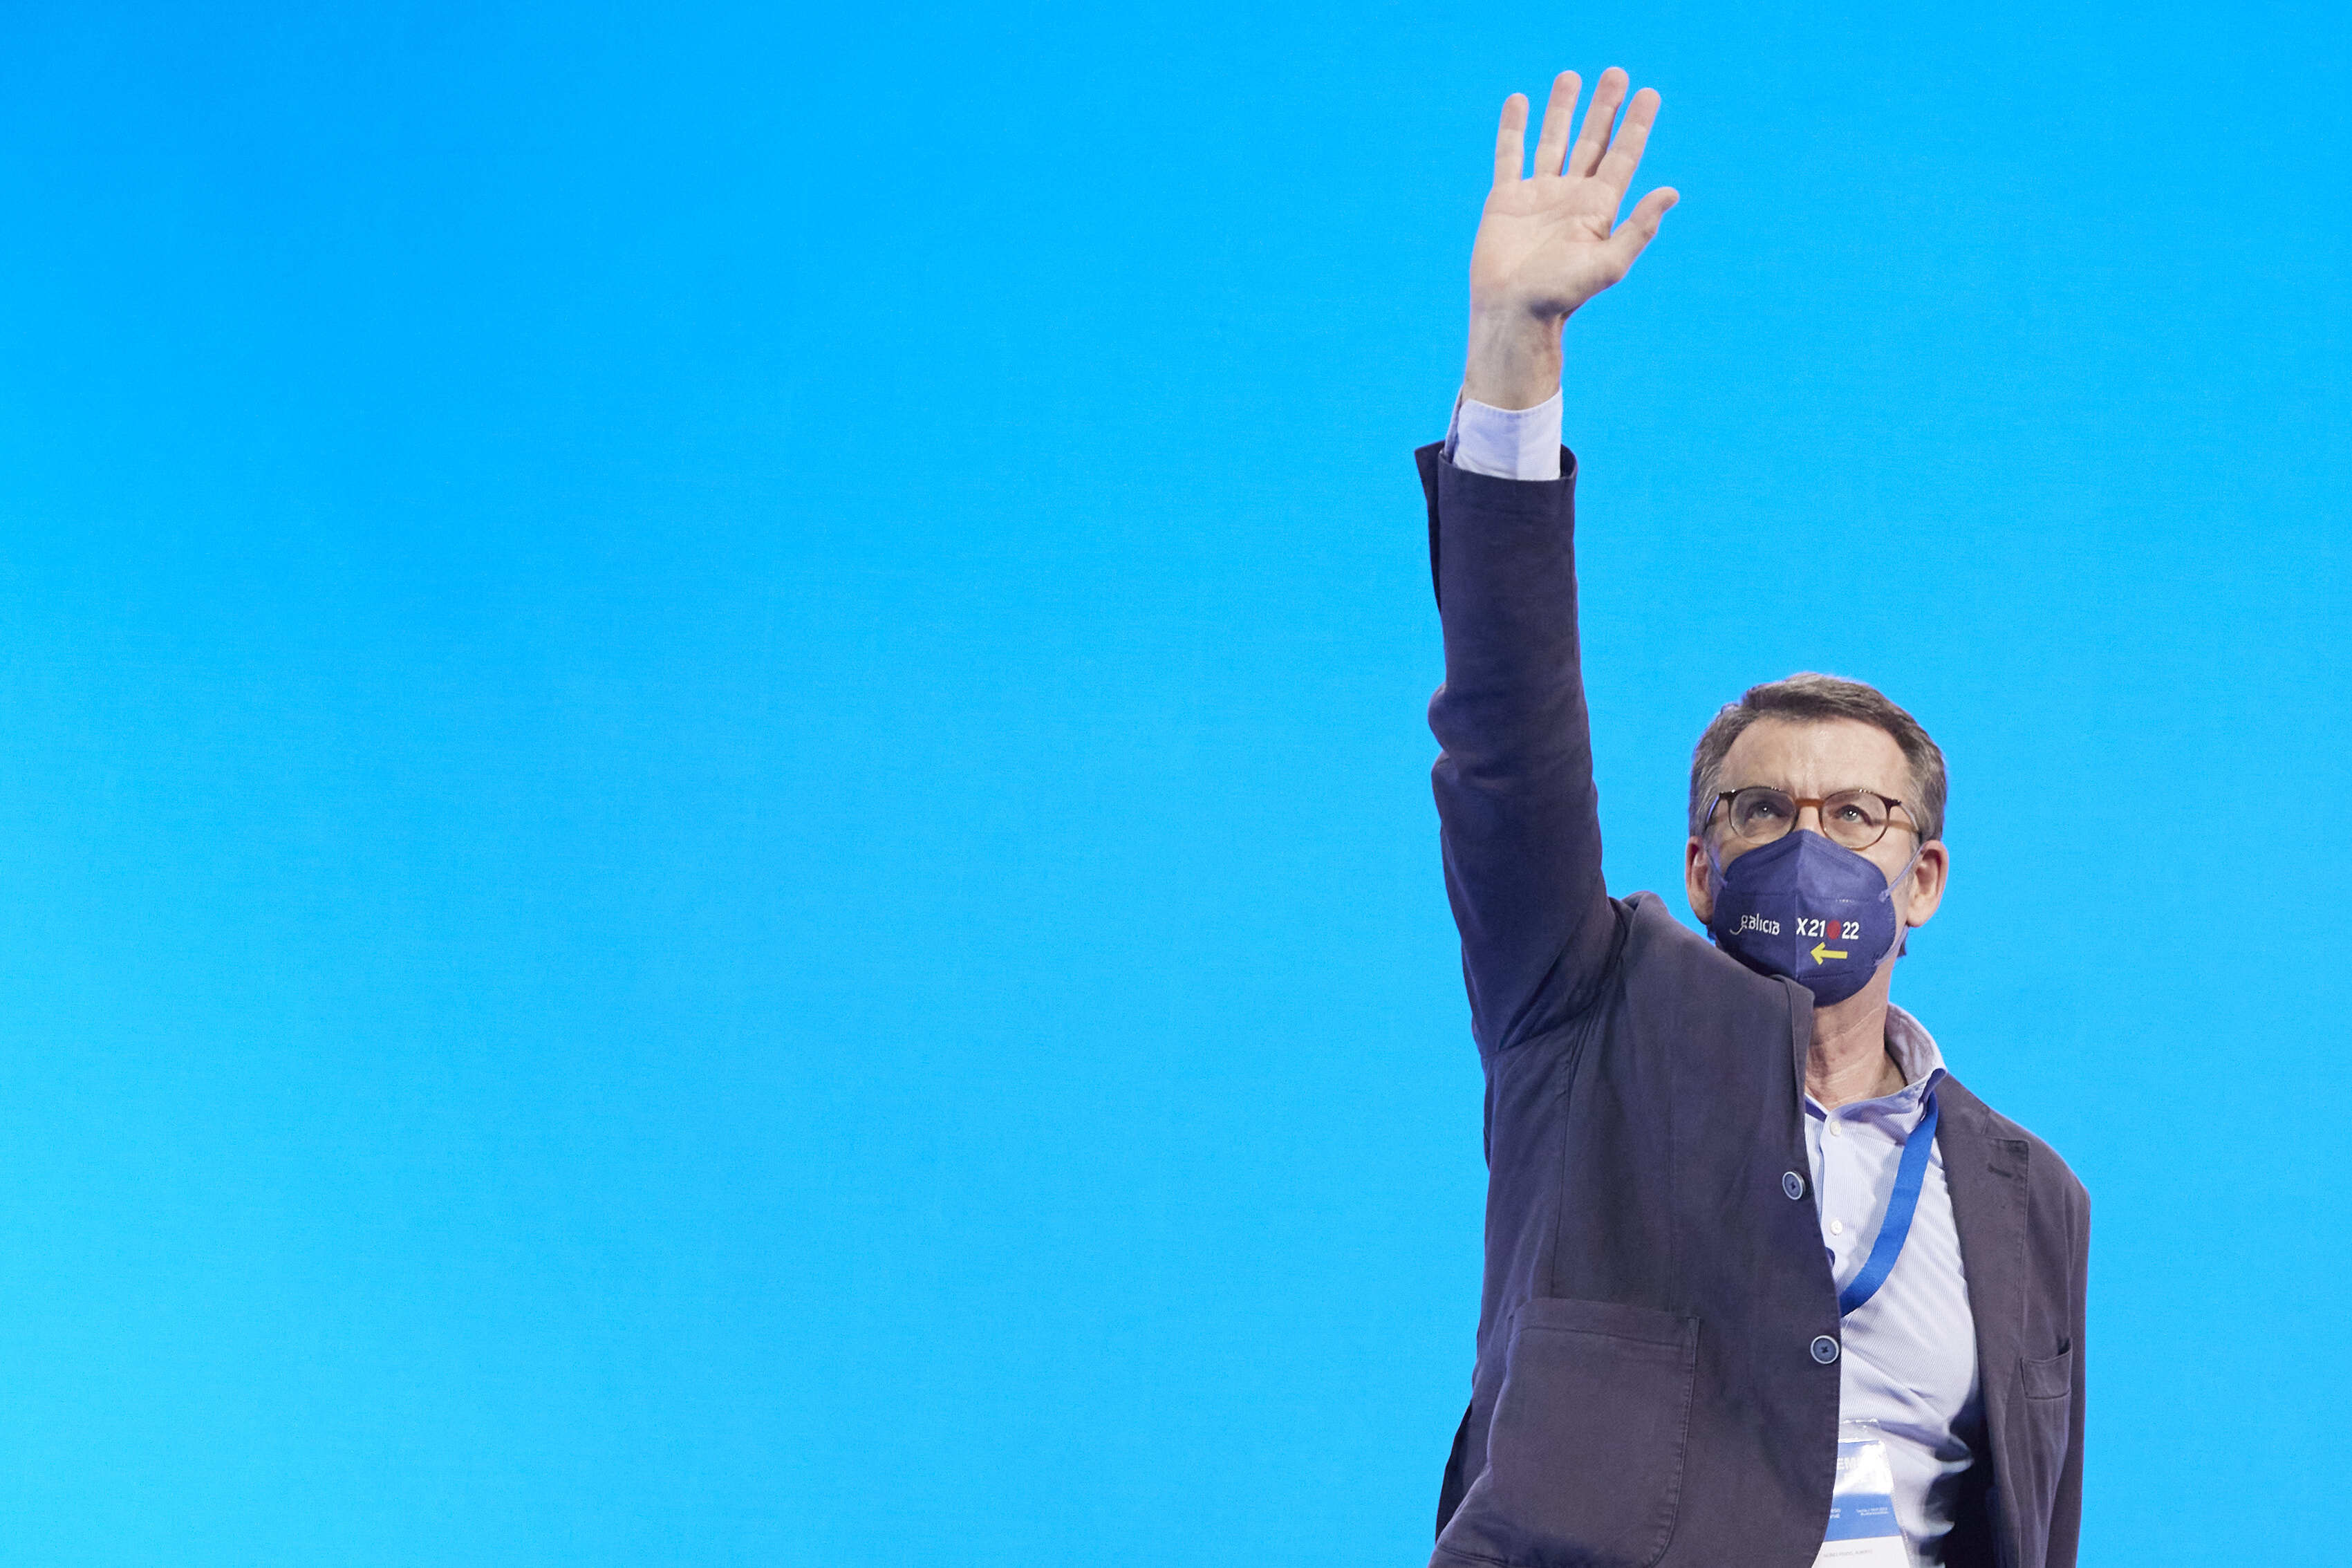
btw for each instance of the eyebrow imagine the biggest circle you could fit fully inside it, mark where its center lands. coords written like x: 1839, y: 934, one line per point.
x: 1796, y: 793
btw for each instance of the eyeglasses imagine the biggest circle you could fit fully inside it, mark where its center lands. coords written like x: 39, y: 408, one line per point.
x: 1855, y: 818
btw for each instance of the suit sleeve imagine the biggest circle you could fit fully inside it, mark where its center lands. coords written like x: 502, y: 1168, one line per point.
x: 2066, y: 1507
x: 1518, y: 815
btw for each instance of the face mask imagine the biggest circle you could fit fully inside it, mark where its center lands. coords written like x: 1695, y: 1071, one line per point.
x: 1808, y: 908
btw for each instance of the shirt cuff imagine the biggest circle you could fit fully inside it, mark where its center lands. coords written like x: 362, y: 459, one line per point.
x: 1504, y: 443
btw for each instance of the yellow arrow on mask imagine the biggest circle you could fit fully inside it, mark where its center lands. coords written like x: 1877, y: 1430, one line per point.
x: 1823, y: 949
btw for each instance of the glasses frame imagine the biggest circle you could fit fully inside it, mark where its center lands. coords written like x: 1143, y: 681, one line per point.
x: 1818, y: 802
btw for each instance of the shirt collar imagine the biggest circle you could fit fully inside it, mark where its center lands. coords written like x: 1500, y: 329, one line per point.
x: 1914, y: 1050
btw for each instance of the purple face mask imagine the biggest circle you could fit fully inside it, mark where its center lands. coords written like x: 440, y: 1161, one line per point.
x: 1808, y: 908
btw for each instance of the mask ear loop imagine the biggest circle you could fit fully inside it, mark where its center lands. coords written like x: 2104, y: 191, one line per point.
x: 1902, y: 934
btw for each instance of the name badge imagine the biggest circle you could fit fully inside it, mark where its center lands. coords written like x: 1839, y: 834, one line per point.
x: 1862, y: 1533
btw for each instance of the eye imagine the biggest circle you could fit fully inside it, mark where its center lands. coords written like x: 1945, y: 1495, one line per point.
x: 1758, y: 808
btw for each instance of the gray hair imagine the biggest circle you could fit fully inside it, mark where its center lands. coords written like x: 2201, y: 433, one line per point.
x: 1810, y: 698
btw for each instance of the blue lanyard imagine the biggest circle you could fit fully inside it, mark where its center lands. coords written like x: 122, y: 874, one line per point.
x: 1910, y: 1176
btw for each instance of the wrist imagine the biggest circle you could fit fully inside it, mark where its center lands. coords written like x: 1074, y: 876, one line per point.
x: 1514, y: 358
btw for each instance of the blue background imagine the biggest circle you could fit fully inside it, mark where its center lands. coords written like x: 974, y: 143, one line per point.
x: 715, y: 844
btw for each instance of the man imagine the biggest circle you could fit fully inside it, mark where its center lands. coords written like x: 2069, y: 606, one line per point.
x: 1749, y: 1246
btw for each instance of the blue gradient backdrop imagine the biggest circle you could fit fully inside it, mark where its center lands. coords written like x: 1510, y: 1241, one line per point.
x: 715, y: 845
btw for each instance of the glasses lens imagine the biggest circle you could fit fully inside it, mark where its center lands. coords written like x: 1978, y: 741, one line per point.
x: 1760, y: 812
x: 1855, y: 818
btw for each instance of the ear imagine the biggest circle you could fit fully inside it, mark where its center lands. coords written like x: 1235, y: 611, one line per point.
x: 1695, y: 884
x: 1929, y: 876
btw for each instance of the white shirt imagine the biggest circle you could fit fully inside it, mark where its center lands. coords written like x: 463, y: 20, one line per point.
x: 1909, y: 1355
x: 1504, y: 443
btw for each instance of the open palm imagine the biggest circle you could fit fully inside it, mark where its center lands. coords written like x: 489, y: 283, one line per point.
x: 1549, y: 242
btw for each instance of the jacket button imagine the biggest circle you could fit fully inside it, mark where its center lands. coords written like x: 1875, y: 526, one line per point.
x: 1792, y: 1183
x: 1825, y: 1350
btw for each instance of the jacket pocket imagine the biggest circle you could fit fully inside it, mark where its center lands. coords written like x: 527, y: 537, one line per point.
x: 2050, y: 1378
x: 1584, y: 1455
x: 2042, y: 1424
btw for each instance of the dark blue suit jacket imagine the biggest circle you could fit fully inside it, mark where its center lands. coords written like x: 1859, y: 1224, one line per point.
x: 1645, y: 1390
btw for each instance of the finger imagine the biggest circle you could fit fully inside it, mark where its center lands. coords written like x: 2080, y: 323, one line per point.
x: 1593, y: 141
x: 1511, y: 140
x: 1633, y: 236
x: 1559, y: 115
x: 1625, y: 153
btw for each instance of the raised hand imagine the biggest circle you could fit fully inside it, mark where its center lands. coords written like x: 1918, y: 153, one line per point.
x: 1549, y: 242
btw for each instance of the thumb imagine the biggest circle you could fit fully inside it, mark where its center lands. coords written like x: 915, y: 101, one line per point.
x: 1641, y: 225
